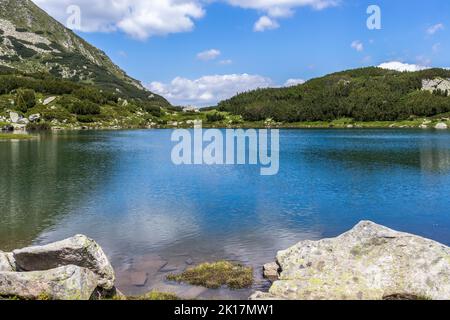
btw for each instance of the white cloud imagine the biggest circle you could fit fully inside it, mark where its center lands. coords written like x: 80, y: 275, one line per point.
x: 142, y: 19
x: 265, y: 23
x: 399, y: 66
x: 138, y: 18
x: 226, y: 62
x: 357, y: 45
x: 293, y: 82
x: 208, y: 55
x: 277, y: 6
x: 208, y: 90
x: 436, y: 47
x: 279, y: 9
x: 433, y: 29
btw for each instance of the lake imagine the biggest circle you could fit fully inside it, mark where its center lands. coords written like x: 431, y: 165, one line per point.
x: 149, y: 215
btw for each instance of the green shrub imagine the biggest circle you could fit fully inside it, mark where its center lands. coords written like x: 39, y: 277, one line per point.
x: 59, y: 114
x: 41, y: 126
x: 21, y: 49
x: 215, y: 117
x: 86, y: 118
x: 90, y: 94
x: 148, y: 106
x: 153, y: 110
x: 84, y: 108
x: 25, y: 99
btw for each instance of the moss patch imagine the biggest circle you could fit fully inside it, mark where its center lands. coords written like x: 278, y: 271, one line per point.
x: 155, y: 295
x: 404, y: 296
x: 7, y: 136
x: 216, y: 275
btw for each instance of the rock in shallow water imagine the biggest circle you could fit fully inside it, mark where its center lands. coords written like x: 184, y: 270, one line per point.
x: 370, y: 262
x: 64, y: 283
x: 271, y: 271
x: 78, y: 250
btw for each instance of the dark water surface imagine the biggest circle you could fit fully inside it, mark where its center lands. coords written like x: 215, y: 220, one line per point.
x: 151, y: 216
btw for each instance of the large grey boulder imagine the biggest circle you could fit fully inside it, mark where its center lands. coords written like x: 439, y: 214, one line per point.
x: 64, y: 283
x: 48, y: 100
x: 441, y: 126
x: 78, y: 250
x: 34, y: 117
x: 370, y: 262
x: 7, y: 262
x: 14, y: 116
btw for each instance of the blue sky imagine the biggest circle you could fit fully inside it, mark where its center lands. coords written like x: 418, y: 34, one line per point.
x: 198, y: 52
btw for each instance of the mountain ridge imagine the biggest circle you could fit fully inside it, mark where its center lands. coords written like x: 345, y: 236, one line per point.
x: 31, y: 41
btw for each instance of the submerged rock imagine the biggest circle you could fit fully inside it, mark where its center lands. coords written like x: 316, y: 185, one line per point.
x: 78, y: 250
x: 370, y: 262
x: 64, y: 283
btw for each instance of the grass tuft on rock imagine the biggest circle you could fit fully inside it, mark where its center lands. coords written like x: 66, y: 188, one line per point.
x: 215, y: 275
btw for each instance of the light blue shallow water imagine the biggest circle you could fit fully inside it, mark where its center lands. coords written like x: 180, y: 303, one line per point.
x: 122, y: 189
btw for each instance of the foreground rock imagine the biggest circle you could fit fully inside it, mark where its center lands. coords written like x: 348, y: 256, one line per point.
x: 78, y: 250
x: 7, y: 262
x: 370, y: 262
x: 72, y: 269
x: 64, y: 283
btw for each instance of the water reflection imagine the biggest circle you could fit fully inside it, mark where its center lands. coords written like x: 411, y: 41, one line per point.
x: 43, y: 180
x: 435, y: 157
x: 375, y: 149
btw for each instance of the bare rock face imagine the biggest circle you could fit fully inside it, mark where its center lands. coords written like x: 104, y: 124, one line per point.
x: 7, y: 262
x: 64, y: 283
x: 432, y: 85
x: 370, y: 262
x: 78, y: 250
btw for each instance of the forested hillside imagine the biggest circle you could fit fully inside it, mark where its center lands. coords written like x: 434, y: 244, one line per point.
x: 368, y: 94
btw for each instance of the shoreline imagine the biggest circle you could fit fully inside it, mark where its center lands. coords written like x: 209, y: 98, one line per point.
x: 252, y: 125
x: 24, y: 135
x: 382, y: 264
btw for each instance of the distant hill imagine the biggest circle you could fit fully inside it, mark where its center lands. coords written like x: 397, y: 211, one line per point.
x: 367, y: 94
x: 33, y: 42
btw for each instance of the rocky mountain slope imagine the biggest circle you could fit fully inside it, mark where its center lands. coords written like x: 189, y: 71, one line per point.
x: 31, y: 41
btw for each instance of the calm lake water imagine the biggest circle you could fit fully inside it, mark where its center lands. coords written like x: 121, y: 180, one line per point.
x: 151, y: 216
